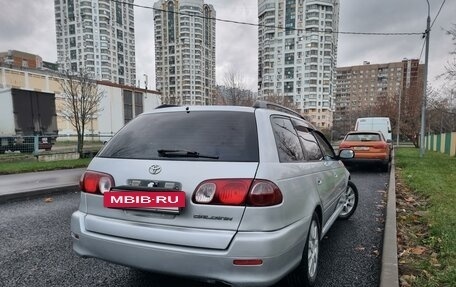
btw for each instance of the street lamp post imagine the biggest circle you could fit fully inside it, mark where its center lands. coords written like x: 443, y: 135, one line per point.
x: 145, y: 85
x: 399, y: 119
x: 145, y: 81
x: 423, y: 104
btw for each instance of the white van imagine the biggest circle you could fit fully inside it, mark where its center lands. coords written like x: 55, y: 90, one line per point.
x: 375, y: 124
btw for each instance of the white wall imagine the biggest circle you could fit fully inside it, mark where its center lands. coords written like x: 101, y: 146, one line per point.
x: 151, y: 101
x: 111, y: 118
x: 7, y: 126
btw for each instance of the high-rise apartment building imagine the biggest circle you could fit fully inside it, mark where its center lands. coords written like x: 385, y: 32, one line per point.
x: 185, y: 51
x: 371, y: 90
x: 298, y: 61
x: 98, y: 36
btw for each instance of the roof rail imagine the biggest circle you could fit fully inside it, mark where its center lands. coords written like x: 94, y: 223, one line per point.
x: 273, y: 106
x: 166, y: 106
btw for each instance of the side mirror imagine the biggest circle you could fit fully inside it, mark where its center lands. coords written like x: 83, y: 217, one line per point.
x: 346, y: 154
x: 389, y: 141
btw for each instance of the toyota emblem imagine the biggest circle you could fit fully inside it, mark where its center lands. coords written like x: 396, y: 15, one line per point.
x: 155, y: 169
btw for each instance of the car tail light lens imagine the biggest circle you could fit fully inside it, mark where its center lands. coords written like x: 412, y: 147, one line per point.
x: 205, y: 192
x: 380, y: 146
x: 236, y: 192
x: 264, y: 193
x: 222, y: 191
x: 96, y: 182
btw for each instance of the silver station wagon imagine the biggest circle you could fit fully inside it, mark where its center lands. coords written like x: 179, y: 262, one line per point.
x: 261, y: 187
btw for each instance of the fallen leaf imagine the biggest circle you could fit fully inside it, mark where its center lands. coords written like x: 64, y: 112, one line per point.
x: 49, y: 199
x: 410, y: 199
x: 360, y: 248
x: 418, y: 250
x: 407, y: 278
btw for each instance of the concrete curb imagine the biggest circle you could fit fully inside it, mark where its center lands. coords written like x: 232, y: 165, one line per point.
x: 389, y: 276
x: 37, y: 193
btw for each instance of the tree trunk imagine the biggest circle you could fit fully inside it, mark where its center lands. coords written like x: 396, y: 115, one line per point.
x: 81, y: 145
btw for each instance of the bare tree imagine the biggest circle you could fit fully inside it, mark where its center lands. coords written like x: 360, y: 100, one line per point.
x: 282, y: 100
x: 450, y: 67
x: 441, y: 111
x: 236, y: 93
x: 80, y: 102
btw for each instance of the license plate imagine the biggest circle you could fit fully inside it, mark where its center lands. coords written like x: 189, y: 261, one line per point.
x: 361, y: 148
x: 141, y: 199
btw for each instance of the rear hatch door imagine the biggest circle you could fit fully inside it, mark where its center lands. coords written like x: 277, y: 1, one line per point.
x: 201, y: 145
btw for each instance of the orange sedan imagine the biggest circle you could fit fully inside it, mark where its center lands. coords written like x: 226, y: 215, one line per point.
x: 369, y: 147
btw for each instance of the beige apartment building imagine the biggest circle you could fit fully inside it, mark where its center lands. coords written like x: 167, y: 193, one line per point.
x: 370, y: 90
x: 120, y: 103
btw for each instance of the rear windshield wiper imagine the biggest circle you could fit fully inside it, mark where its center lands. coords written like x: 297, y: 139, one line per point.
x: 183, y: 153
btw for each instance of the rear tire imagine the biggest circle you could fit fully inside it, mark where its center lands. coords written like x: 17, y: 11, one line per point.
x: 351, y: 201
x: 306, y: 272
x: 385, y: 167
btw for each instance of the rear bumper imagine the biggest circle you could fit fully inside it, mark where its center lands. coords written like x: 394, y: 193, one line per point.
x: 280, y: 251
x: 366, y: 161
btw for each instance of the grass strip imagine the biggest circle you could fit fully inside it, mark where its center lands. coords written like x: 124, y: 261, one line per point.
x: 432, y: 178
x: 33, y: 166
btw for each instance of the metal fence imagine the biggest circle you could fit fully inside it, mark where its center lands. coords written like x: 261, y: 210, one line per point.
x: 42, y: 144
x: 444, y: 143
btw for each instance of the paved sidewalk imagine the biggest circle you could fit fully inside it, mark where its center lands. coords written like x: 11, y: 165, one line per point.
x: 22, y: 185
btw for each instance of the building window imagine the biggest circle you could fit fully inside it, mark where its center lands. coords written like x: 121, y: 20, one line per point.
x: 289, y: 58
x: 121, y: 71
x: 289, y: 73
x: 133, y: 105
x: 138, y: 103
x: 128, y: 106
x: 289, y: 87
x: 72, y: 29
x: 120, y: 46
x: 74, y: 67
x: 171, y: 22
x: 119, y: 13
x: 119, y: 34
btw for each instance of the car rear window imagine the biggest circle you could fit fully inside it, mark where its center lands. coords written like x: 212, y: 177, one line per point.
x: 363, y: 137
x: 214, y: 135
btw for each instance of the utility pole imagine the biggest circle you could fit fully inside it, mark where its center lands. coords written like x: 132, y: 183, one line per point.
x: 146, y: 78
x: 427, y: 34
x: 399, y: 119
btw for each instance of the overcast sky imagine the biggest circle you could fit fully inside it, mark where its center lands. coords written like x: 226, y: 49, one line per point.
x: 29, y: 25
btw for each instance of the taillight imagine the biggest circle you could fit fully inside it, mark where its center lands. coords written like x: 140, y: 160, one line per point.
x: 236, y: 192
x: 96, y: 182
x: 380, y: 146
x: 264, y: 193
x: 222, y: 191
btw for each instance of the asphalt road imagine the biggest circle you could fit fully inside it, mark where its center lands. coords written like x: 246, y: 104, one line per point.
x: 35, y: 246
